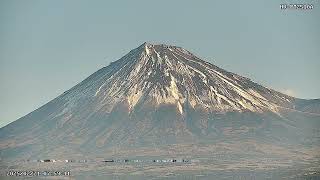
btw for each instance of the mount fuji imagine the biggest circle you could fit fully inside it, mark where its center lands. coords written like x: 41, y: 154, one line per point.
x: 157, y: 97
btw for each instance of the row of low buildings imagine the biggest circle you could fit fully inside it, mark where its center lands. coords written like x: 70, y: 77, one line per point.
x: 149, y: 161
x: 54, y: 161
x: 117, y: 161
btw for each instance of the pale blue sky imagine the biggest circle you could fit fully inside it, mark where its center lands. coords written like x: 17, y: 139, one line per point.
x: 46, y: 47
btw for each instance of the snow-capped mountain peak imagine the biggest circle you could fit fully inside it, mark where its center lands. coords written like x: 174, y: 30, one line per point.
x: 161, y: 74
x: 158, y: 94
